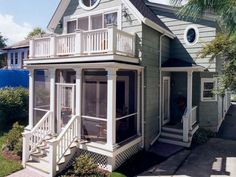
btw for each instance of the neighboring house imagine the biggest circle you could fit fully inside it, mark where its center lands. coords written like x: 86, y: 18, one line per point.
x: 115, y: 76
x: 16, y: 54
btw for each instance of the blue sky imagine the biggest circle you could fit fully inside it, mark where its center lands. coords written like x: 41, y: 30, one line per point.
x: 18, y: 17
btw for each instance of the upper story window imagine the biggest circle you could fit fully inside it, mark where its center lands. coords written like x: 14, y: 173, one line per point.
x: 93, y: 22
x: 22, y: 55
x: 207, y: 87
x: 16, y: 58
x: 88, y: 4
x: 12, y: 58
x: 191, y: 35
x: 71, y: 26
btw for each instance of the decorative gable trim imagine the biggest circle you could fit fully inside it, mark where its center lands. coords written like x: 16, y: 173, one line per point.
x: 61, y: 8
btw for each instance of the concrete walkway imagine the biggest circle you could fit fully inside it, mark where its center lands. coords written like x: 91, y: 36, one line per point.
x: 216, y: 158
x: 25, y: 173
x: 228, y: 127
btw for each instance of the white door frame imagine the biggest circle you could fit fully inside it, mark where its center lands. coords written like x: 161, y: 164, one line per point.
x: 166, y: 78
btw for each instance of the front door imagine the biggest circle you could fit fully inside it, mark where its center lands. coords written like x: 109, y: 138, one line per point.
x: 166, y: 100
x: 65, y: 104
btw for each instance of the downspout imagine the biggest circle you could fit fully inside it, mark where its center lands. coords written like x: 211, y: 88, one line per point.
x: 143, y: 123
x: 160, y: 89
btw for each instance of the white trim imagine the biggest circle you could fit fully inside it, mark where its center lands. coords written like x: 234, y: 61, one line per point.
x: 166, y: 78
x: 214, y: 81
x: 182, y: 69
x: 195, y: 28
x: 83, y: 6
x: 77, y: 59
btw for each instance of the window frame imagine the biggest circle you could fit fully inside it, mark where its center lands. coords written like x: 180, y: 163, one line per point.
x: 83, y: 6
x: 206, y: 80
x: 195, y: 28
x: 116, y: 9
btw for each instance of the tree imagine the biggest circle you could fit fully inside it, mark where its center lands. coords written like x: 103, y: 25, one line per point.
x: 2, y: 45
x: 225, y: 43
x: 2, y: 41
x: 36, y: 32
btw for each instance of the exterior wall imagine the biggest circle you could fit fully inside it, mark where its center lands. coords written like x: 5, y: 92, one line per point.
x: 179, y: 49
x: 19, y: 65
x: 209, y: 112
x: 150, y: 60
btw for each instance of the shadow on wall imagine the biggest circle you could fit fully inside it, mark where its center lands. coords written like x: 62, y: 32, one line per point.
x: 14, y: 78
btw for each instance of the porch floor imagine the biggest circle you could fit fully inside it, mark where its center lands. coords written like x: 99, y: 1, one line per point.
x: 175, y: 126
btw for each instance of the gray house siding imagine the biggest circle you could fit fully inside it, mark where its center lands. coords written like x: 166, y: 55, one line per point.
x: 179, y: 49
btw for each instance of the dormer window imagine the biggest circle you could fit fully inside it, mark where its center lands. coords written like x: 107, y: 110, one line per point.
x: 88, y: 4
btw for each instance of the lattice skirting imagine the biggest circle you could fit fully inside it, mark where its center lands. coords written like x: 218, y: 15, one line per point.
x: 111, y: 163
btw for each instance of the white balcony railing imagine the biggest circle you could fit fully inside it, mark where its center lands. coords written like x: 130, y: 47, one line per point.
x: 109, y: 40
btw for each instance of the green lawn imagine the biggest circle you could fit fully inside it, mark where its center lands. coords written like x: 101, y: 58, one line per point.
x: 7, y: 166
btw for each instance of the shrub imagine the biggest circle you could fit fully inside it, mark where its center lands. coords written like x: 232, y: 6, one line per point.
x: 84, y: 166
x: 13, y: 139
x: 202, y: 136
x: 115, y: 174
x: 13, y: 106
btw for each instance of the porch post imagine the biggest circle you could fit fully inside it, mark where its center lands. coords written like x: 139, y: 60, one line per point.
x: 190, y: 97
x: 31, y: 99
x: 78, y: 101
x: 52, y: 98
x: 188, y: 118
x: 111, y: 107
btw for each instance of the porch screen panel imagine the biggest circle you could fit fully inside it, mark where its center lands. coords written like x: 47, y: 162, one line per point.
x: 41, y: 94
x: 126, y: 105
x: 94, y: 105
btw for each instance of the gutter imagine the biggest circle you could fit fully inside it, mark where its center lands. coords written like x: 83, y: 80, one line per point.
x: 143, y: 123
x: 160, y: 89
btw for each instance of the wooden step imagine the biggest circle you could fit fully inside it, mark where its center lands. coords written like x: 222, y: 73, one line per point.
x: 175, y: 142
x: 172, y: 135
x: 172, y: 130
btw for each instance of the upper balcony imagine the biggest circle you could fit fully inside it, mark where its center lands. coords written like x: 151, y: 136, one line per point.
x: 84, y: 43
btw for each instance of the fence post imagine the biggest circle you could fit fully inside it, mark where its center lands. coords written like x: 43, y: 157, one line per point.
x: 78, y: 42
x: 53, y: 46
x: 52, y: 158
x: 31, y: 48
x: 25, y: 151
x: 112, y: 38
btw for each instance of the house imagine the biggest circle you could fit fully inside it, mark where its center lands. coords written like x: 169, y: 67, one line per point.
x: 115, y: 76
x: 16, y: 54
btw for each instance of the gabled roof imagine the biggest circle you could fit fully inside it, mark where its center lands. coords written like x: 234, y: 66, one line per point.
x: 137, y: 7
x: 21, y: 44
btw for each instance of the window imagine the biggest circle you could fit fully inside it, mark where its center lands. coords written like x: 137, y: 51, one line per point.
x: 16, y: 58
x: 41, y: 93
x: 88, y: 4
x: 96, y: 22
x: 126, y: 105
x: 191, y: 35
x: 71, y: 26
x: 83, y: 23
x: 12, y: 58
x: 94, y: 105
x: 207, y: 87
x: 110, y: 19
x: 22, y: 55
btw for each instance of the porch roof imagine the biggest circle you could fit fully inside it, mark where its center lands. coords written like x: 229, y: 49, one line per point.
x: 178, y: 65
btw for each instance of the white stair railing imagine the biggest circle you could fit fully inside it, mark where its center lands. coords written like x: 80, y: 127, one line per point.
x: 34, y: 137
x: 63, y: 142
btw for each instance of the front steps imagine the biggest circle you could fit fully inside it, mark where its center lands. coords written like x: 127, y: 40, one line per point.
x: 39, y: 161
x: 174, y: 136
